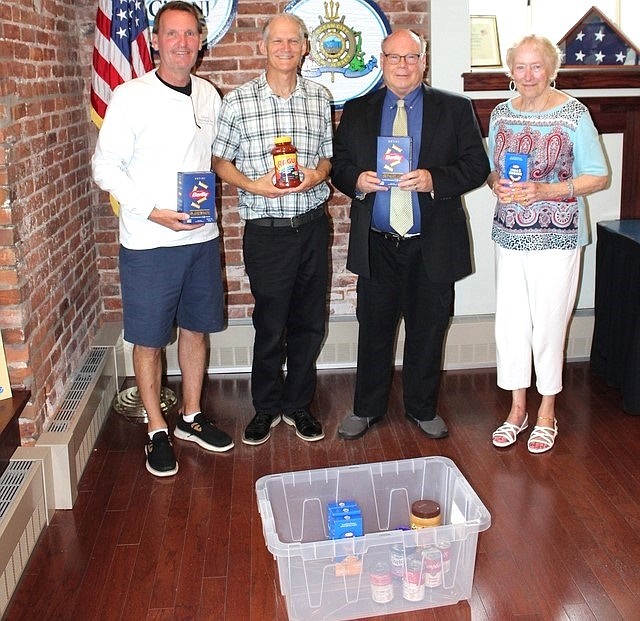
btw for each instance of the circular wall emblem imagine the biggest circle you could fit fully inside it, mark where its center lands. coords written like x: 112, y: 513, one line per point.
x: 218, y: 16
x: 345, y: 38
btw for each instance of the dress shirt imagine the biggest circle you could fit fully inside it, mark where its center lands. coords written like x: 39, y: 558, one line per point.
x: 413, y: 105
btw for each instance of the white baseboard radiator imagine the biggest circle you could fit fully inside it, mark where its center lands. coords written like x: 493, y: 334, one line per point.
x: 25, y: 510
x: 73, y: 431
x: 470, y: 344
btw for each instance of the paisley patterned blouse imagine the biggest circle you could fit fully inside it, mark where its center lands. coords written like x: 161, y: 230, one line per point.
x: 562, y: 143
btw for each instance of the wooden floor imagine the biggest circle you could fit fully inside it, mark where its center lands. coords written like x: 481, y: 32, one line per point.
x: 564, y: 542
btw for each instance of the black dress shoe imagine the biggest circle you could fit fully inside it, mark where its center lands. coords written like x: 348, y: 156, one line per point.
x: 259, y: 429
x: 307, y: 427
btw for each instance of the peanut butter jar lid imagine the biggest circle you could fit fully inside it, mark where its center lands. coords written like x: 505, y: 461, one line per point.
x: 425, y: 509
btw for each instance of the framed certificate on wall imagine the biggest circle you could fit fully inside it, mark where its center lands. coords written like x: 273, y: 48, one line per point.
x: 485, y: 46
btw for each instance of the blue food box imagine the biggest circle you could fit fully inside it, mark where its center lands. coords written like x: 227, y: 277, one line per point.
x: 342, y: 506
x: 345, y: 525
x: 516, y: 166
x: 393, y: 158
x: 196, y: 196
x: 344, y: 519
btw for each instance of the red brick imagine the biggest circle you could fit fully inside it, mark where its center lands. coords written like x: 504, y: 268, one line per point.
x: 10, y: 297
x: 7, y: 257
x: 7, y: 236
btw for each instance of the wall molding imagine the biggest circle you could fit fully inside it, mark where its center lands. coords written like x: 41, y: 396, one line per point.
x: 470, y: 344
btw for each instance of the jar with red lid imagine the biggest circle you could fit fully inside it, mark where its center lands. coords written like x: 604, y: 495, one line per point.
x: 285, y: 161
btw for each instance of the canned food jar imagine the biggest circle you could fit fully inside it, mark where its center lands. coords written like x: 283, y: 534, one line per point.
x: 397, y: 560
x: 425, y: 513
x: 381, y: 582
x: 432, y: 566
x: 413, y: 588
x: 285, y: 161
x: 445, y: 550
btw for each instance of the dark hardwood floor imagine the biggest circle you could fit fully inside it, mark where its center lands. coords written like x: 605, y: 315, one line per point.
x: 564, y: 541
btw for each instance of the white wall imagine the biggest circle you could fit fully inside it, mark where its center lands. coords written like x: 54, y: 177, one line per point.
x: 554, y: 19
x: 450, y: 58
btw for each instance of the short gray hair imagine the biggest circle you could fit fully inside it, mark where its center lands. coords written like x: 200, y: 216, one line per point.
x: 550, y: 52
x: 304, y: 33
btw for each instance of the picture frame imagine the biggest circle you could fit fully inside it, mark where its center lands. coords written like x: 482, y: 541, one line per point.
x: 485, y: 44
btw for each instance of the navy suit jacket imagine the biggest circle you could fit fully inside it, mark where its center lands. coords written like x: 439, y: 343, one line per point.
x: 453, y: 152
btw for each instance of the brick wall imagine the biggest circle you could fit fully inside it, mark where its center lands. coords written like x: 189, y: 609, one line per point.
x: 49, y: 283
x: 58, y: 237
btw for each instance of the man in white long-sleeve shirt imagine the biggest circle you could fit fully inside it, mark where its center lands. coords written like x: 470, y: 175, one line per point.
x: 156, y: 126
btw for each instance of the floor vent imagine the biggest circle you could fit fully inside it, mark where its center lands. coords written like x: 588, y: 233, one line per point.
x: 74, y: 429
x: 23, y: 516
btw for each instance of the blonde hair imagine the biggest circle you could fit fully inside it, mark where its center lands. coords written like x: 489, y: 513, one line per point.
x: 550, y: 52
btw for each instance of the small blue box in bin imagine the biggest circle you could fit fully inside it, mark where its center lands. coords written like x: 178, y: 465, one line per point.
x: 344, y: 519
x: 342, y: 506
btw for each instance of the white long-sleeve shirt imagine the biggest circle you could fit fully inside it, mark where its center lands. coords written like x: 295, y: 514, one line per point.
x: 150, y: 133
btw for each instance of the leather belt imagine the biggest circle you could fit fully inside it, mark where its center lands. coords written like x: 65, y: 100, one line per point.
x: 294, y: 223
x: 394, y: 237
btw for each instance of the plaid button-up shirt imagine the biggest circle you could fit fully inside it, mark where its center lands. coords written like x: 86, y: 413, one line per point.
x: 250, y: 119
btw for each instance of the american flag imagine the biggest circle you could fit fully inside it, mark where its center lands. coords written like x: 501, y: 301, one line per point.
x: 595, y: 40
x: 120, y: 52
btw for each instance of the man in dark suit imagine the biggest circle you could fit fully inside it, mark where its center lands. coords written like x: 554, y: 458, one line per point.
x: 406, y: 270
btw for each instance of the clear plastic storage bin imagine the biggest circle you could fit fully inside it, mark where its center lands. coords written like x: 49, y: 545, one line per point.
x: 340, y: 579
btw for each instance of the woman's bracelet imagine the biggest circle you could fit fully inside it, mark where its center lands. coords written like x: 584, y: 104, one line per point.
x: 570, y: 187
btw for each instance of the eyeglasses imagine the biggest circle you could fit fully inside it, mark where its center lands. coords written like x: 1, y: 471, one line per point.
x: 394, y: 59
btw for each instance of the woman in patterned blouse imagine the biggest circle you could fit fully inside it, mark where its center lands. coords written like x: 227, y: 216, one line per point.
x: 539, y: 227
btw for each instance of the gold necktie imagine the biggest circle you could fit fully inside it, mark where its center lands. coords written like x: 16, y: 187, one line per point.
x: 401, y: 214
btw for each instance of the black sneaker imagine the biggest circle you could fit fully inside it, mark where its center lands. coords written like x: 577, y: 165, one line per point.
x: 259, y: 429
x: 160, y: 458
x: 202, y: 431
x: 307, y: 427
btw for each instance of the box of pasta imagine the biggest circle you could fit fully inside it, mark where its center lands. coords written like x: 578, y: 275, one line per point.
x: 196, y: 196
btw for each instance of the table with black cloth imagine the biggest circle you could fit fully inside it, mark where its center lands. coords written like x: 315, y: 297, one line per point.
x: 615, y: 350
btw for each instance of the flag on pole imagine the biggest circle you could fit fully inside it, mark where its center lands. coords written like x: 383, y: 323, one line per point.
x: 121, y: 50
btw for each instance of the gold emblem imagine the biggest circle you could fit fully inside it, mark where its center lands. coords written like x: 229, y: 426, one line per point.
x: 337, y: 48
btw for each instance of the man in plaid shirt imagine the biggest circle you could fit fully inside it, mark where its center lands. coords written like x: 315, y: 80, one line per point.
x: 286, y: 236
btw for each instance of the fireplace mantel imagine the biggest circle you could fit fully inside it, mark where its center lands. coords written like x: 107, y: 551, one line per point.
x: 612, y: 114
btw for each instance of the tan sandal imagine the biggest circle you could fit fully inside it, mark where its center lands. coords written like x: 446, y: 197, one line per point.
x: 546, y: 436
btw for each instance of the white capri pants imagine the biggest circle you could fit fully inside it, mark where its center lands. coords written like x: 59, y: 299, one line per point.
x: 535, y: 295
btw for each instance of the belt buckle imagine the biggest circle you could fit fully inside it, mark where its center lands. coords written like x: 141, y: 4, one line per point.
x: 294, y: 222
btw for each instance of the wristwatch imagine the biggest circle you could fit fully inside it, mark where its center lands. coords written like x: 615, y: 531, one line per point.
x: 361, y: 195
